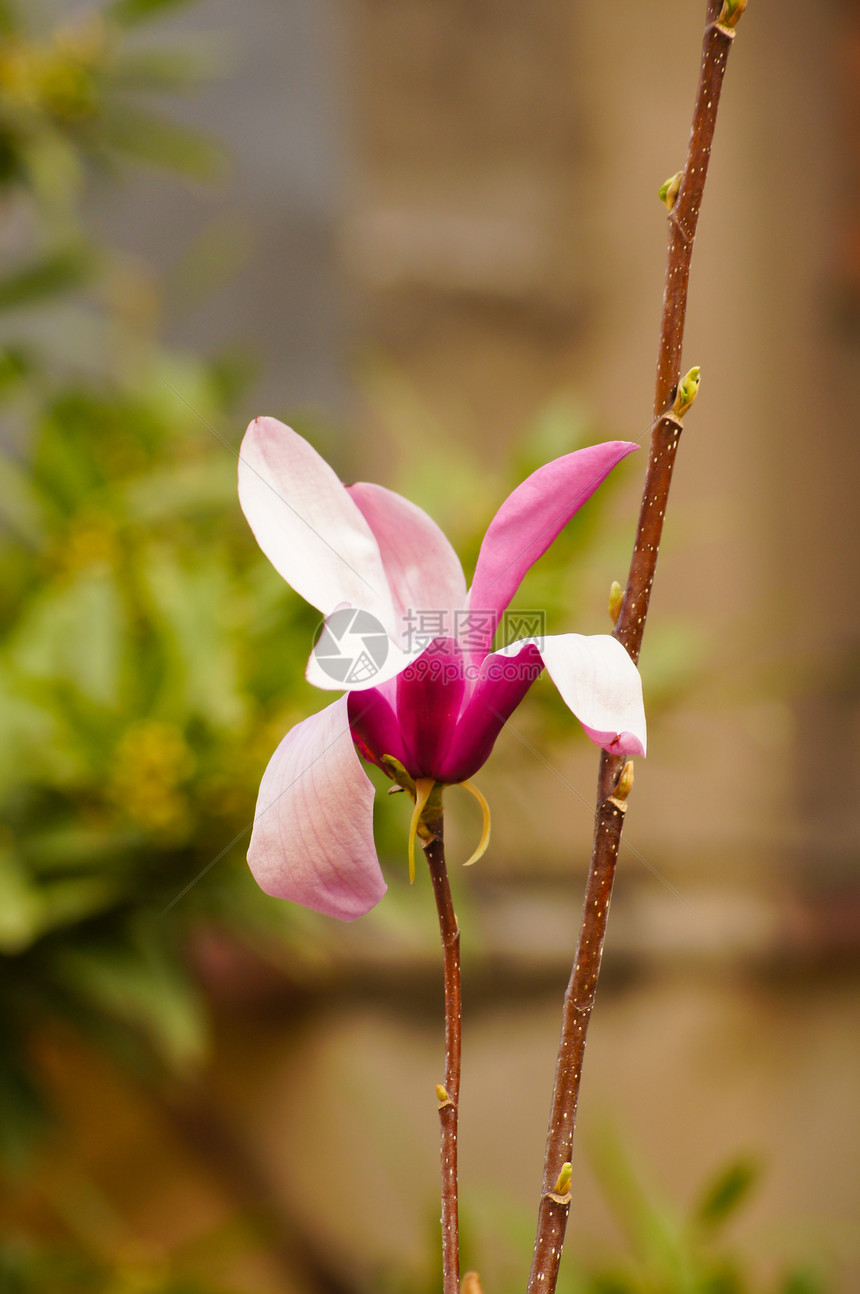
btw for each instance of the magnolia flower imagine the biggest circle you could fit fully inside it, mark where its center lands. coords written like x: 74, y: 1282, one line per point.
x: 425, y: 694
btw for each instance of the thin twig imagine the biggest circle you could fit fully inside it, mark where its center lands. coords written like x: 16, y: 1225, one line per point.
x: 609, y: 819
x: 449, y: 1092
x: 683, y: 221
x: 578, y: 1003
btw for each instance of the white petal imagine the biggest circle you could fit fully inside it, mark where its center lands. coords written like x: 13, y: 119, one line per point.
x: 424, y: 573
x: 313, y: 830
x: 599, y: 683
x: 306, y: 523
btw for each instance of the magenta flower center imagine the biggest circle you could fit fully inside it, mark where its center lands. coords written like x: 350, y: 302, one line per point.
x: 441, y: 716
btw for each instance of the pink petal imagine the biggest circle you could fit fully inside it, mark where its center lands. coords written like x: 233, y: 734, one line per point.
x: 375, y: 728
x: 527, y: 523
x: 501, y: 685
x: 307, y: 525
x: 313, y: 830
x: 599, y: 683
x: 429, y: 696
x: 424, y: 573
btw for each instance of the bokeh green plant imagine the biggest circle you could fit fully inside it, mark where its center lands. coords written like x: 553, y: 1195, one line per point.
x: 665, y: 1247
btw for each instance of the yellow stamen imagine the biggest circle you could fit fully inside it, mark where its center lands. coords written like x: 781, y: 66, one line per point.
x: 423, y: 787
x: 485, y: 834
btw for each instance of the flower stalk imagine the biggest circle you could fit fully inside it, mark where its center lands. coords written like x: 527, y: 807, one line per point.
x: 614, y: 779
x: 447, y: 1093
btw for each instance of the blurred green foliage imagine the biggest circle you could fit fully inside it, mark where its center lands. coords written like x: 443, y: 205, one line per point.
x: 675, y: 1251
x: 669, y: 1249
x: 142, y: 637
x: 146, y: 647
x: 70, y: 95
x: 26, y: 1268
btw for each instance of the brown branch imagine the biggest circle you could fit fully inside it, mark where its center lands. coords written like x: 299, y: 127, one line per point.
x: 578, y: 1003
x: 609, y: 819
x: 449, y: 1093
x: 683, y: 221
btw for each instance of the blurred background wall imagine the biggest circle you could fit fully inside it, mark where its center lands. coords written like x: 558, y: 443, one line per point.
x: 439, y: 240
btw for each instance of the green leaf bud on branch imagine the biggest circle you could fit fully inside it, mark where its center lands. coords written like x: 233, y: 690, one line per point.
x: 623, y: 787
x: 560, y: 1193
x: 616, y: 597
x: 731, y: 13
x: 668, y: 191
x: 442, y: 1096
x: 688, y: 389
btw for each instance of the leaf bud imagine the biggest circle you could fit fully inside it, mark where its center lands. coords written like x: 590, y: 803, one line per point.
x: 688, y: 389
x: 624, y: 785
x: 668, y: 191
x: 731, y: 13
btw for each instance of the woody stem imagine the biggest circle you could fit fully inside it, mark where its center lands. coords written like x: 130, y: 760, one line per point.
x: 609, y: 819
x: 449, y: 1098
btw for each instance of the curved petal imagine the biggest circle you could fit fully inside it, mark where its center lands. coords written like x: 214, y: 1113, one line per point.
x: 527, y: 523
x: 599, y: 683
x: 429, y: 695
x: 313, y: 829
x: 502, y: 682
x: 307, y: 525
x: 424, y: 573
x: 375, y: 728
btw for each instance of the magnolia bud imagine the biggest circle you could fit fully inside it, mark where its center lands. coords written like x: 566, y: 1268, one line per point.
x: 624, y: 785
x: 731, y: 13
x: 668, y: 192
x: 688, y: 389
